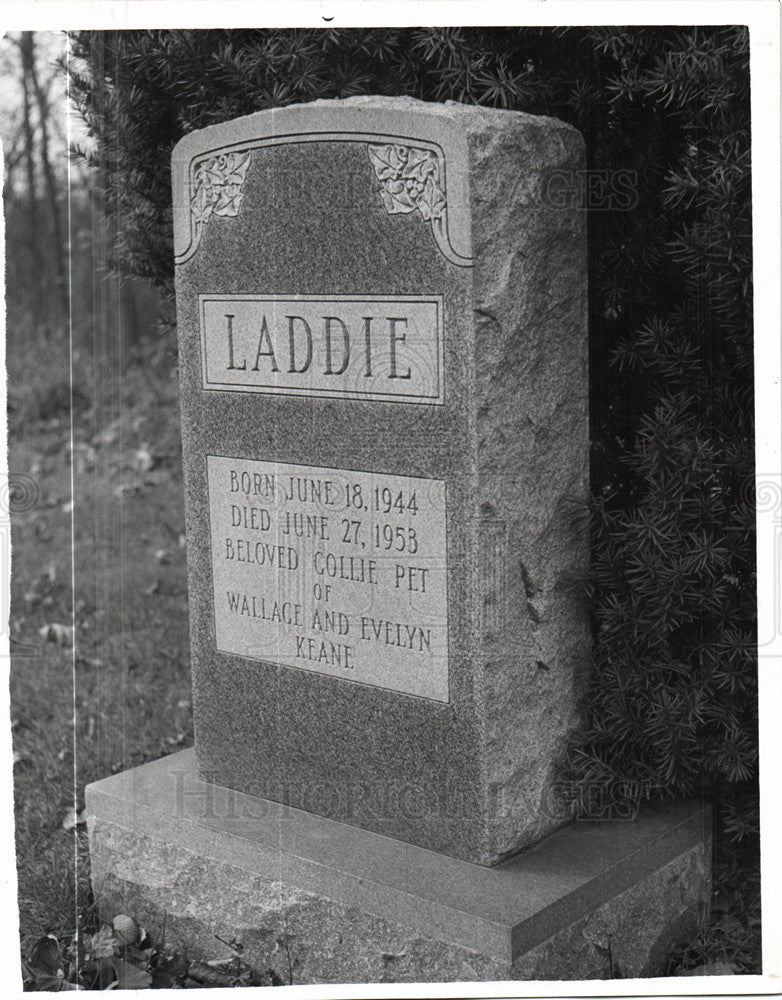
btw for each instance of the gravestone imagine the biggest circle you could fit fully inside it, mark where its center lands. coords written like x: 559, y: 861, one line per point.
x: 382, y: 330
x: 383, y: 352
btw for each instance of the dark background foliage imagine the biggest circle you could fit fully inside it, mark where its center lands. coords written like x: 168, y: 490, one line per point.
x: 672, y: 705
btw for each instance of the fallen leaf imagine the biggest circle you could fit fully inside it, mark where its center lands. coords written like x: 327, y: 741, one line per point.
x: 89, y: 661
x: 208, y: 976
x: 169, y: 972
x: 139, y: 956
x: 107, y: 977
x: 102, y: 942
x: 143, y: 459
x: 83, y: 458
x: 710, y: 969
x: 130, y: 977
x: 127, y: 486
x: 109, y: 434
x: 126, y: 928
x: 61, y: 634
x: 72, y: 819
x: 45, y: 958
x: 53, y: 984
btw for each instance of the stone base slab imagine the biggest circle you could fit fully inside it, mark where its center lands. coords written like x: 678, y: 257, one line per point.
x: 318, y: 901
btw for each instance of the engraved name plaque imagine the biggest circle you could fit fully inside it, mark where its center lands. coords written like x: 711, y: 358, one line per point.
x: 332, y: 571
x: 360, y: 347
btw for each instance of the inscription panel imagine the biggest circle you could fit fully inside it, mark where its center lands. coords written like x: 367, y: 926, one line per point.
x: 370, y: 347
x: 333, y: 571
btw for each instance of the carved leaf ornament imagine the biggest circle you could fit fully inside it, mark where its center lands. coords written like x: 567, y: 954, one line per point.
x: 410, y: 180
x: 218, y: 186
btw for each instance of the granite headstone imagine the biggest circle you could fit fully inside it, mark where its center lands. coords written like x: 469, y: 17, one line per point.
x: 383, y: 356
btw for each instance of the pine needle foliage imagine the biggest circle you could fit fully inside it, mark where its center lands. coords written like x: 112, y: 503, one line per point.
x: 672, y: 704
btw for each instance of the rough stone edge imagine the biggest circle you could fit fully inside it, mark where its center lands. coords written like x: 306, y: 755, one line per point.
x: 200, y: 901
x: 200, y: 906
x: 512, y: 916
x: 611, y: 937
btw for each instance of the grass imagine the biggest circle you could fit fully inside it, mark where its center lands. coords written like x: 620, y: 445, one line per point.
x: 127, y: 585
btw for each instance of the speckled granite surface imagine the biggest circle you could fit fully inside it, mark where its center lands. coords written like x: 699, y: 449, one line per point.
x: 470, y: 777
x: 209, y: 864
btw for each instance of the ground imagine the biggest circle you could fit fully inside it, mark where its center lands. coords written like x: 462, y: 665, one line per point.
x: 121, y: 695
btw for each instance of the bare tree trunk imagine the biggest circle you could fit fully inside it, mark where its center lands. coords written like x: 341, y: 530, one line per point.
x: 31, y: 73
x: 25, y: 45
